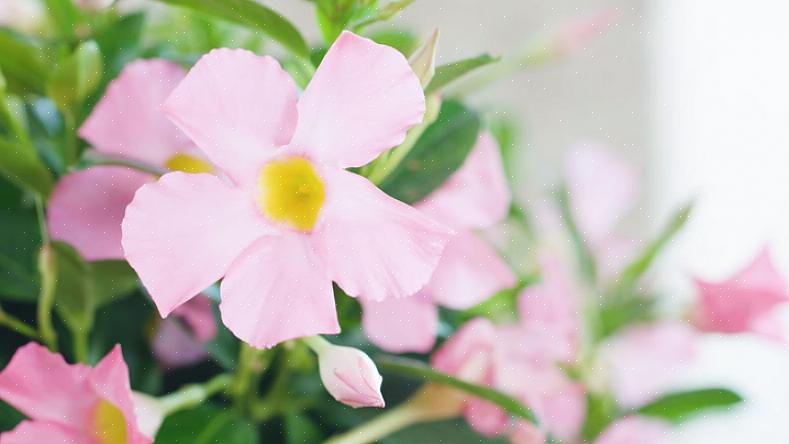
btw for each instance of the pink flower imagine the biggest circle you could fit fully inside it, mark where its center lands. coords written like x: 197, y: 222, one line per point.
x: 350, y: 376
x: 179, y: 339
x: 86, y: 207
x: 505, y: 357
x: 286, y: 219
x: 744, y: 302
x: 634, y: 429
x: 643, y: 359
x: 470, y: 270
x: 72, y: 404
x: 527, y: 433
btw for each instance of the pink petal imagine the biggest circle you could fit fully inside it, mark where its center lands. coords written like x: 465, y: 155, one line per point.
x: 563, y: 409
x: 643, y: 360
x: 383, y: 323
x: 44, y: 387
x: 602, y: 187
x: 485, y: 417
x: 128, y: 120
x: 374, y: 245
x: 738, y: 303
x: 634, y: 429
x: 361, y: 101
x: 182, y: 233
x: 44, y: 432
x: 476, y: 195
x: 174, y: 346
x: 110, y: 379
x: 199, y: 316
x: 468, y: 353
x: 470, y: 271
x: 86, y: 209
x: 236, y: 106
x: 278, y: 290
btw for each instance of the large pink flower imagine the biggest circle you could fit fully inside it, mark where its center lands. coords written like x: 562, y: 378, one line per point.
x: 86, y: 207
x: 286, y: 219
x: 470, y: 270
x: 69, y: 404
x: 744, y: 302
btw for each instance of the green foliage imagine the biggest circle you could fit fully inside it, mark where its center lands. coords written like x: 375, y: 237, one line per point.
x: 446, y: 74
x: 19, y: 242
x: 300, y: 429
x: 207, y: 425
x: 75, y: 292
x: 681, y: 406
x: 64, y: 15
x: 22, y: 62
x: 76, y: 77
x: 436, y: 155
x: 20, y: 163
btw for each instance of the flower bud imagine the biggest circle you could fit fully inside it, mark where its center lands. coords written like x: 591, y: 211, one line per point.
x: 149, y: 412
x: 350, y: 376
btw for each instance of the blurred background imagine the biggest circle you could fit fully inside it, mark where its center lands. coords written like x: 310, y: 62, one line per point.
x: 696, y: 93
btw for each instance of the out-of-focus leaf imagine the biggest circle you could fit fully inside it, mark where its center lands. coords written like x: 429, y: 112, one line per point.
x: 77, y: 76
x: 74, y: 291
x: 381, y: 13
x: 65, y: 16
x: 586, y: 259
x: 400, y: 39
x: 22, y: 63
x: 417, y: 369
x: 253, y: 15
x: 456, y: 431
x: 617, y: 313
x: 446, y: 74
x: 601, y: 410
x: 508, y: 135
x: 20, y: 163
x: 436, y: 155
x: 207, y: 425
x: 19, y: 243
x: 119, y: 41
x: 224, y: 347
x: 301, y: 430
x: 112, y: 280
x: 679, y: 407
x: 333, y: 16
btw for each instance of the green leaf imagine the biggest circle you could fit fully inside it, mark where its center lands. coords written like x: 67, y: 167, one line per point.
x: 446, y: 74
x: 65, y: 16
x: 301, y: 430
x: 402, y: 40
x: 112, y: 280
x: 74, y: 291
x: 9, y: 417
x: 119, y: 41
x: 455, y: 431
x: 207, y: 425
x: 679, y: 407
x: 382, y: 13
x: 76, y: 77
x: 20, y: 163
x: 19, y: 243
x: 253, y: 15
x: 584, y: 255
x: 417, y: 369
x: 22, y: 62
x: 440, y: 151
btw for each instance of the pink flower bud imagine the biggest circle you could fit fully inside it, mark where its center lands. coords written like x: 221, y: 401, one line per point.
x: 350, y: 376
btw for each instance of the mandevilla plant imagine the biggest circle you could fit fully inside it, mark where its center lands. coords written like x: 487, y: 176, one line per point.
x: 215, y: 231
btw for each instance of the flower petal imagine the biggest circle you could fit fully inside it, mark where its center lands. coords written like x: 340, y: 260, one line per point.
x: 199, y: 317
x: 361, y: 101
x: 486, y: 417
x: 470, y: 271
x: 182, y: 233
x: 383, y: 323
x: 476, y: 195
x: 128, y: 120
x: 373, y: 245
x: 44, y: 387
x: 40, y: 432
x: 236, y: 106
x: 174, y: 346
x: 468, y: 354
x: 278, y: 290
x: 86, y: 209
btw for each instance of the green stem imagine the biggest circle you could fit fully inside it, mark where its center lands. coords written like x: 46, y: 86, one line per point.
x: 80, y: 344
x: 96, y: 158
x: 47, y: 266
x: 251, y: 365
x: 18, y: 326
x: 194, y: 394
x: 317, y: 343
x: 70, y: 126
x: 381, y: 426
x: 42, y: 220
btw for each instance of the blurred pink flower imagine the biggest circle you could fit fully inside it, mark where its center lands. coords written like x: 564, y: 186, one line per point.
x: 632, y: 430
x: 476, y: 196
x: 287, y: 219
x: 180, y: 338
x: 350, y: 376
x: 69, y: 403
x: 86, y: 207
x: 744, y: 302
x: 527, y: 433
x: 643, y: 359
x: 503, y: 357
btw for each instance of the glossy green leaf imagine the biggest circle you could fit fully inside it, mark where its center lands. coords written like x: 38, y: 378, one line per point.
x: 253, y: 15
x: 20, y: 163
x: 22, y: 62
x: 440, y: 151
x: 77, y: 76
x: 207, y: 425
x: 586, y: 259
x: 680, y: 406
x: 381, y: 13
x: 417, y: 369
x: 9, y: 417
x: 446, y: 74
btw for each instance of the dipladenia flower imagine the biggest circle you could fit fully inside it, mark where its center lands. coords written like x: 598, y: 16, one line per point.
x: 86, y: 207
x: 286, y: 219
x: 350, y: 376
x: 66, y: 403
x: 179, y: 340
x: 470, y: 270
x: 744, y: 302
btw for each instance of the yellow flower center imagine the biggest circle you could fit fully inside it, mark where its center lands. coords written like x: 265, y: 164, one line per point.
x: 188, y: 164
x: 109, y: 425
x: 291, y: 192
